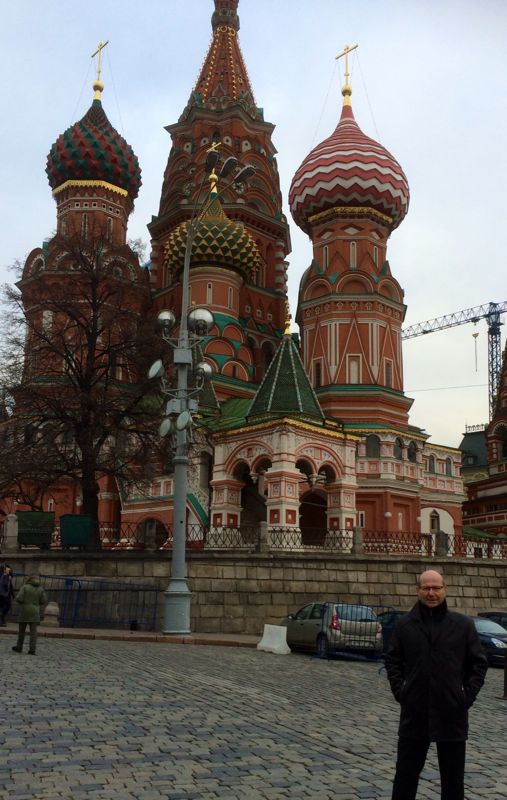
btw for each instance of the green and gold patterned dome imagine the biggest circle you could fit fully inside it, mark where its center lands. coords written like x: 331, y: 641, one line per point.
x: 91, y: 151
x: 218, y: 242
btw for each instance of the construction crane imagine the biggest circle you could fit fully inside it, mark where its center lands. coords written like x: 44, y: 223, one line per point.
x: 491, y: 312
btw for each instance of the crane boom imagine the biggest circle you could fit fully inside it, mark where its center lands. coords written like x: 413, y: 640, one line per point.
x: 451, y: 320
x: 490, y: 312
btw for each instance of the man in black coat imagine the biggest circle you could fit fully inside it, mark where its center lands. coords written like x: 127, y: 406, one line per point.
x: 436, y: 667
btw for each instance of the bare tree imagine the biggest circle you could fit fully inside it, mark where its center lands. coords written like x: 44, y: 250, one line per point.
x: 77, y: 344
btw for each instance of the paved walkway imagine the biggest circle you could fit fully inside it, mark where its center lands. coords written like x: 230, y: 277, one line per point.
x: 217, y: 639
x: 98, y: 719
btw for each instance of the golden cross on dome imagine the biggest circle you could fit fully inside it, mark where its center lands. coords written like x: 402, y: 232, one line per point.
x: 345, y: 52
x: 98, y: 52
x: 346, y: 90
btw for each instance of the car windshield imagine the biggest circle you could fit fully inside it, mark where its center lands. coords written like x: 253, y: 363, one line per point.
x: 488, y: 626
x: 356, y: 613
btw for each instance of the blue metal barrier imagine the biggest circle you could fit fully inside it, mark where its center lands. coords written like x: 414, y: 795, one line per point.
x: 87, y: 603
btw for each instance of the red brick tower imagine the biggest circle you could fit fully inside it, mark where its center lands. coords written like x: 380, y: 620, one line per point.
x: 246, y: 294
x: 87, y: 265
x: 348, y: 195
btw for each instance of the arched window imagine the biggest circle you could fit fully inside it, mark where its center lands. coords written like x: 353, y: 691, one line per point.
x: 109, y: 229
x: 431, y: 464
x: 267, y: 354
x: 47, y: 320
x: 412, y: 452
x: 398, y: 449
x: 354, y: 369
x: 434, y: 522
x: 353, y: 257
x: 372, y: 446
x: 317, y: 372
x: 375, y: 256
x: 205, y: 470
x: 209, y: 294
x: 230, y: 297
x: 325, y: 257
x: 388, y: 372
x: 448, y: 467
x: 84, y: 226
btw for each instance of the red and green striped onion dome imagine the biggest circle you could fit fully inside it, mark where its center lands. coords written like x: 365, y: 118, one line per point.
x: 92, y: 150
x: 218, y: 241
x: 349, y: 171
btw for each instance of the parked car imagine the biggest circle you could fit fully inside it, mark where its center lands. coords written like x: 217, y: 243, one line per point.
x: 496, y: 616
x: 327, y: 628
x: 493, y: 639
x: 389, y: 619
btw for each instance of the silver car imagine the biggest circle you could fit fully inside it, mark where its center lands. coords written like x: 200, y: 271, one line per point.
x: 326, y: 628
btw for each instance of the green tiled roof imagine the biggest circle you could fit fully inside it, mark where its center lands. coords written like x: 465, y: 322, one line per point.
x: 468, y: 530
x: 285, y: 389
x: 232, y: 414
x: 474, y: 444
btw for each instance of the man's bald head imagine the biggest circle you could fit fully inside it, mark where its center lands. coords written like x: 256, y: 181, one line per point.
x: 431, y: 588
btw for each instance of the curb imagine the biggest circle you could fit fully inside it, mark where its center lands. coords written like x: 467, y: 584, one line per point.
x: 156, y: 638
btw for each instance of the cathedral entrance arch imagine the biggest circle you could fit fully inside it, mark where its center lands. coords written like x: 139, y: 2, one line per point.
x: 313, y: 518
x: 253, y: 500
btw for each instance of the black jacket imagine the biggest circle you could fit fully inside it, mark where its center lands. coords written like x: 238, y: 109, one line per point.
x: 436, y: 666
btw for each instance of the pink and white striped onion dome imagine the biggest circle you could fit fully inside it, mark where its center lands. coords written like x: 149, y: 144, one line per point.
x: 348, y: 170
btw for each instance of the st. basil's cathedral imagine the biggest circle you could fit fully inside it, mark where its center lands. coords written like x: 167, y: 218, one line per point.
x: 308, y: 432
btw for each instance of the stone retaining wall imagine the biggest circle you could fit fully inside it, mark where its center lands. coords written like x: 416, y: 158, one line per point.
x: 238, y: 593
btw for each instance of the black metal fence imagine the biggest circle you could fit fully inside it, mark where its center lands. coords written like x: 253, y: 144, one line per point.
x: 154, y: 536
x: 290, y: 538
x: 398, y: 542
x: 86, y: 603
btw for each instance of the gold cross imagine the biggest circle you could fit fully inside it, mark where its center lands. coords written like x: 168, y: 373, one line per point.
x: 345, y: 52
x: 98, y: 52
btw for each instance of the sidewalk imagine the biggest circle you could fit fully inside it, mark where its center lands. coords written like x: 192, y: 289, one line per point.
x: 216, y: 639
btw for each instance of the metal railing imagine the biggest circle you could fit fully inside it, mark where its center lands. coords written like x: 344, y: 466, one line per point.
x: 305, y: 539
x: 477, y: 547
x: 398, y: 543
x: 243, y: 537
x: 98, y: 603
x: 154, y: 536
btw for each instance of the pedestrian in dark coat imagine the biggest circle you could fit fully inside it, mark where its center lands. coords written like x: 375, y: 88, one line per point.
x: 436, y: 667
x: 6, y: 592
x: 32, y: 599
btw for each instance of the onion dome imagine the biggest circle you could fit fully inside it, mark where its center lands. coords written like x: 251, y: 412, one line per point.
x: 92, y: 151
x: 218, y: 241
x: 349, y: 173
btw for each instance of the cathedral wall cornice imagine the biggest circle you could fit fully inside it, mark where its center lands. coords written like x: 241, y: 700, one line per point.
x: 200, y: 115
x: 338, y: 302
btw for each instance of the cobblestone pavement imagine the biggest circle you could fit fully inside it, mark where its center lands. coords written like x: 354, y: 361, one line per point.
x: 102, y: 720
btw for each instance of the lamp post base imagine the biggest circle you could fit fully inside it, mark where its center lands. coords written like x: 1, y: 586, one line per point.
x: 177, y: 599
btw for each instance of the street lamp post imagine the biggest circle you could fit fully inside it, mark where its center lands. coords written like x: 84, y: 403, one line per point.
x: 177, y: 597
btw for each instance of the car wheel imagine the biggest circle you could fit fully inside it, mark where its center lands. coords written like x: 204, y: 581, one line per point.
x: 322, y: 646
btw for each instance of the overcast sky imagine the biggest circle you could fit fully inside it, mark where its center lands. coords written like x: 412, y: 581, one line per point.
x: 429, y: 83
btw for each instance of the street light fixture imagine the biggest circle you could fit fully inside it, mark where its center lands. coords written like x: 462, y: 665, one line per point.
x: 183, y: 402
